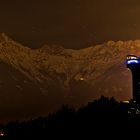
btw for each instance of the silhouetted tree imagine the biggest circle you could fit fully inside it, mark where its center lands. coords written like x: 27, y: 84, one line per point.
x: 102, y: 115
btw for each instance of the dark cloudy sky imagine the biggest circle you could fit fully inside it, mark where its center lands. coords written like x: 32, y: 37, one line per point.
x: 71, y: 23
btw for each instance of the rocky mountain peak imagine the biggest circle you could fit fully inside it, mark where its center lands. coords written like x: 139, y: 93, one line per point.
x: 3, y: 37
x: 53, y: 49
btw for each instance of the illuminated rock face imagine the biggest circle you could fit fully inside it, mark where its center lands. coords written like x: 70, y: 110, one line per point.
x: 71, y: 76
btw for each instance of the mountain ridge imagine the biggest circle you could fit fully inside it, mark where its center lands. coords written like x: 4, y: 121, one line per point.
x: 75, y: 77
x: 25, y: 58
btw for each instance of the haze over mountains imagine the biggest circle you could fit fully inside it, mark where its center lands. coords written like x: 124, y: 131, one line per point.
x: 34, y: 82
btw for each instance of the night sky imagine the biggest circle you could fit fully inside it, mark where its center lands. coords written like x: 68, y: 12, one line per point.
x: 73, y: 24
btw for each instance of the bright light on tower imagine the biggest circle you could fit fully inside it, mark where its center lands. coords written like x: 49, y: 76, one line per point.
x: 132, y: 62
x: 132, y: 59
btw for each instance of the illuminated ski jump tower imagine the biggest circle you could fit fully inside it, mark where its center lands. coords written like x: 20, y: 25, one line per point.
x: 133, y: 63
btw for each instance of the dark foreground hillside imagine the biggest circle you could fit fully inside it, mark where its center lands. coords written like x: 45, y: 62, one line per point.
x: 104, y: 117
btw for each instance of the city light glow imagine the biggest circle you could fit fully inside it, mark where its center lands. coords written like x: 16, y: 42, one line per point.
x: 1, y: 134
x: 82, y: 79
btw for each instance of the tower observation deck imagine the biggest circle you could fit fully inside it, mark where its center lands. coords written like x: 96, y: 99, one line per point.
x: 133, y: 63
